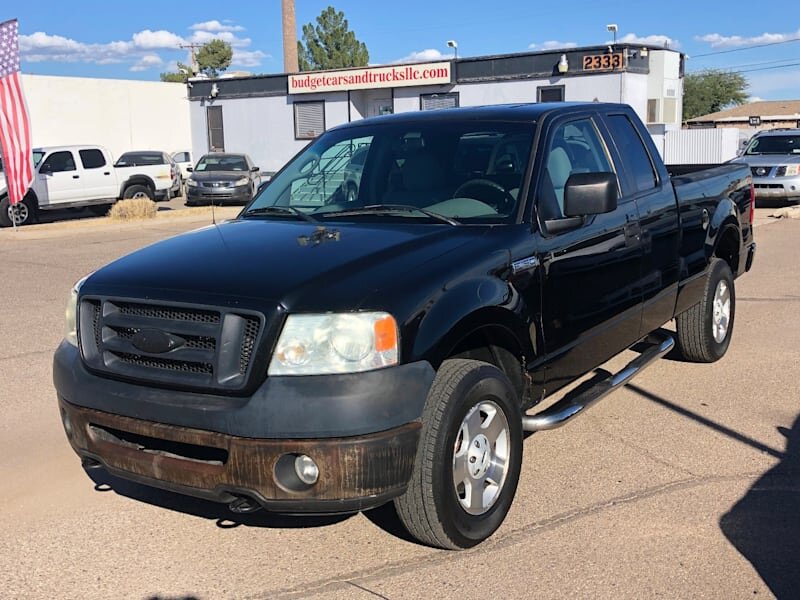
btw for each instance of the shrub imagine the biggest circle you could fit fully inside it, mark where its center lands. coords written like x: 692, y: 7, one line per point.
x: 134, y: 208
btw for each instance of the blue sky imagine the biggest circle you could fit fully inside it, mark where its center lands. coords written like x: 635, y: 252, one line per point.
x: 138, y: 40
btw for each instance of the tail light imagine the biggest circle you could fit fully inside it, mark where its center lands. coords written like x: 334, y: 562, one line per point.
x: 752, y: 202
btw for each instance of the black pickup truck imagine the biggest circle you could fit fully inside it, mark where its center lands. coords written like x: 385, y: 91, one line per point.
x: 328, y: 352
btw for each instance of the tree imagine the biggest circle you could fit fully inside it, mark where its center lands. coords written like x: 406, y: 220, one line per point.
x: 711, y: 91
x: 213, y: 57
x: 181, y: 76
x: 330, y: 44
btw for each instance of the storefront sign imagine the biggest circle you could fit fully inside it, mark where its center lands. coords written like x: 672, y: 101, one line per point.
x: 371, y: 78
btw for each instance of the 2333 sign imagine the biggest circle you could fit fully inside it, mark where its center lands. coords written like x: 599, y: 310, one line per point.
x: 602, y: 62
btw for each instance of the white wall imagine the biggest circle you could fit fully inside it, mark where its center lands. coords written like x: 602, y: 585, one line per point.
x: 118, y: 114
x: 262, y: 127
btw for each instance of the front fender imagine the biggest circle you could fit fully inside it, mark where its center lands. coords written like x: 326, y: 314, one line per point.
x: 463, y: 309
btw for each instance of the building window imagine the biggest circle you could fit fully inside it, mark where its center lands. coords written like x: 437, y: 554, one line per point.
x: 216, y: 132
x: 309, y: 120
x: 652, y: 110
x: 437, y: 101
x: 551, y: 93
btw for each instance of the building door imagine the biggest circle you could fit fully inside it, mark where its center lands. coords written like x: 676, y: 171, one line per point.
x: 216, y: 132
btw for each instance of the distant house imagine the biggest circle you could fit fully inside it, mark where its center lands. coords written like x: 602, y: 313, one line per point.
x: 765, y: 114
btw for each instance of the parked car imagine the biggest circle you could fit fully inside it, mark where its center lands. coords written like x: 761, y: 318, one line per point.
x: 352, y: 174
x: 774, y: 160
x: 316, y: 356
x: 86, y: 176
x: 222, y: 178
x: 184, y: 161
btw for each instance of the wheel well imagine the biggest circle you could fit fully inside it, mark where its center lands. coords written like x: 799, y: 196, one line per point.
x: 496, y: 346
x: 728, y: 248
x: 145, y: 181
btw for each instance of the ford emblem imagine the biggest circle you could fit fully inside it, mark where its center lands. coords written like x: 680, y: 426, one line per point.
x: 154, y: 341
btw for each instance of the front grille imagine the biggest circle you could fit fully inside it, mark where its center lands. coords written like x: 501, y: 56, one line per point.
x: 204, y: 347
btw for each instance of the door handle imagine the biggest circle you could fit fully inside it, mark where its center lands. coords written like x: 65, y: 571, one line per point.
x: 106, y: 173
x: 76, y: 176
x: 633, y: 233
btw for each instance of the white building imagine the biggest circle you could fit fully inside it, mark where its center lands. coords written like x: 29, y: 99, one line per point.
x: 271, y: 117
x: 120, y: 115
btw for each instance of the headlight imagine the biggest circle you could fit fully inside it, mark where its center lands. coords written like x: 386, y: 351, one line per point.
x: 71, y: 313
x: 789, y: 170
x: 242, y: 181
x: 191, y: 183
x: 335, y: 343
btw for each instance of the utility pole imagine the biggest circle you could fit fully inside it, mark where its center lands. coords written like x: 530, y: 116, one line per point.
x: 193, y: 48
x: 290, y: 64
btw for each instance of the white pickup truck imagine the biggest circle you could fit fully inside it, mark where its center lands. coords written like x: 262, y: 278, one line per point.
x: 78, y: 176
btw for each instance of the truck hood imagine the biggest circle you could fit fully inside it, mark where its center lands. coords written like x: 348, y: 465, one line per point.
x: 218, y: 175
x: 768, y: 160
x: 255, y: 263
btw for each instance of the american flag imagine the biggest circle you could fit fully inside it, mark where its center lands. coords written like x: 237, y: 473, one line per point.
x: 15, y: 128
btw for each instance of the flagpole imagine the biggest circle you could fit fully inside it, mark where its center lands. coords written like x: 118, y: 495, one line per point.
x: 10, y: 206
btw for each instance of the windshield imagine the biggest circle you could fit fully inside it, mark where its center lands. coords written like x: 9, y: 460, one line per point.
x: 775, y: 144
x: 221, y: 163
x: 466, y: 170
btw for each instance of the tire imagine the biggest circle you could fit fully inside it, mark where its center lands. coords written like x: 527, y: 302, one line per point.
x: 705, y: 330
x: 25, y: 211
x: 437, y: 508
x: 352, y: 194
x: 138, y: 191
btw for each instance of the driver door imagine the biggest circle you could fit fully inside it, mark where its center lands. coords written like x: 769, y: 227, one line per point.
x: 58, y: 180
x: 591, y: 293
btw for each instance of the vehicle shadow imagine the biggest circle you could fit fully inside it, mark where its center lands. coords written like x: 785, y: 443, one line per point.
x: 764, y: 525
x: 225, y: 519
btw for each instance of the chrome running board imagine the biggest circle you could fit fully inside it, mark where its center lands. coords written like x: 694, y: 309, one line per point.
x: 571, y: 406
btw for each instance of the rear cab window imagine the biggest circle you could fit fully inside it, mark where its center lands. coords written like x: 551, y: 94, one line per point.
x: 641, y: 174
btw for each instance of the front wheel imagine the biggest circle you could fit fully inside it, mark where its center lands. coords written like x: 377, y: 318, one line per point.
x: 468, y: 459
x: 704, y: 330
x: 22, y: 213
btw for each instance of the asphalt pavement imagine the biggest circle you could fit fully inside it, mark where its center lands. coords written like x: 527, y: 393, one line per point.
x: 685, y: 484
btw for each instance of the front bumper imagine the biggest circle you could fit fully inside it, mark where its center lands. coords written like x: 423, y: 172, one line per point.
x: 355, y: 473
x: 206, y: 195
x: 777, y: 188
x: 361, y: 429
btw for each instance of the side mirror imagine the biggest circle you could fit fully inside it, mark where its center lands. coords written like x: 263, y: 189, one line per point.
x: 590, y: 194
x: 189, y: 169
x: 255, y: 169
x: 45, y: 170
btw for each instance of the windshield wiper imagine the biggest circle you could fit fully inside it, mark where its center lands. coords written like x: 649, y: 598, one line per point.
x: 391, y: 208
x: 282, y: 210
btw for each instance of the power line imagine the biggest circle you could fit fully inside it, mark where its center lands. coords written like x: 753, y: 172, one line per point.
x: 746, y: 48
x: 754, y: 64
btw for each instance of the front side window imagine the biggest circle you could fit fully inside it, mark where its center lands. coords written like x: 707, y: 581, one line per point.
x: 58, y: 162
x: 462, y: 170
x: 574, y: 147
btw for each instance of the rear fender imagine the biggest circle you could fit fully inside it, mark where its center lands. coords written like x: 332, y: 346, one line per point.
x: 723, y: 224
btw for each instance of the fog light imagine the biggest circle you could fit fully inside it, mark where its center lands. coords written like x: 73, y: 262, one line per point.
x: 306, y: 469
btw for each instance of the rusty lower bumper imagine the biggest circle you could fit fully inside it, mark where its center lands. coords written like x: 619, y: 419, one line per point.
x: 355, y: 473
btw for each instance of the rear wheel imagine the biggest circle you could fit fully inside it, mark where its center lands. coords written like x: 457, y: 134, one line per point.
x: 137, y: 192
x: 704, y: 331
x: 23, y: 213
x: 468, y: 460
